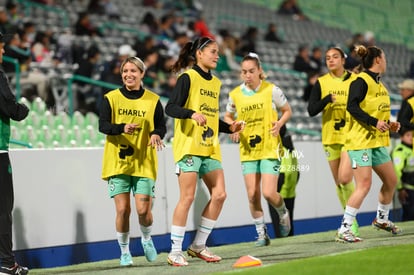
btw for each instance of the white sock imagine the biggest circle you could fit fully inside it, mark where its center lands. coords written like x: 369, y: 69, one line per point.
x: 123, y: 241
x: 260, y: 225
x: 348, y: 219
x: 281, y: 210
x: 383, y: 212
x: 177, y: 237
x: 146, y: 232
x: 204, y: 230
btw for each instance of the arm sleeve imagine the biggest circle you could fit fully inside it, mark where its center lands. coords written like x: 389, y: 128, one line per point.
x: 160, y: 127
x: 224, y: 127
x: 105, y: 125
x: 405, y: 114
x: 179, y: 96
x: 316, y: 104
x: 357, y: 92
x: 8, y: 106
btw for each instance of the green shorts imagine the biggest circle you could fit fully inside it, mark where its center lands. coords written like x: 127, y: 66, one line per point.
x: 201, y: 165
x: 263, y: 166
x: 124, y: 184
x: 369, y: 157
x: 333, y: 151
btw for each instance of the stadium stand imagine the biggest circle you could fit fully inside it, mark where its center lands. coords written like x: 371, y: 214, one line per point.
x: 331, y: 23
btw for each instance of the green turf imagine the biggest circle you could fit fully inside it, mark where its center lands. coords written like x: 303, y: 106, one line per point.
x: 304, y: 254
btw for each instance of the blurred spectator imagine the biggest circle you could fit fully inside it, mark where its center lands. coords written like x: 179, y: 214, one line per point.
x: 29, y: 30
x: 167, y: 87
x: 41, y: 50
x: 164, y: 74
x: 272, y: 34
x: 410, y: 73
x: 6, y: 25
x: 65, y: 49
x: 352, y: 62
x: 142, y: 48
x: 151, y: 73
x: 201, y: 28
x: 149, y: 23
x: 291, y: 8
x: 95, y: 7
x: 111, y: 71
x: 316, y: 59
x: 152, y: 3
x: 175, y: 46
x: 227, y: 49
x: 33, y: 81
x: 88, y: 96
x: 310, y: 82
x: 111, y: 9
x: 302, y: 61
x: 369, y: 39
x: 406, y: 88
x: 166, y: 30
x: 84, y: 26
x: 247, y: 42
x: 14, y: 14
x: 356, y: 39
x: 16, y: 50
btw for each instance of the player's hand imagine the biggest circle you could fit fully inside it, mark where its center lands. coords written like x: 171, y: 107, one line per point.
x: 199, y: 118
x: 130, y: 128
x: 237, y: 126
x: 382, y: 126
x: 275, y: 128
x: 394, y: 126
x: 235, y: 137
x: 156, y: 142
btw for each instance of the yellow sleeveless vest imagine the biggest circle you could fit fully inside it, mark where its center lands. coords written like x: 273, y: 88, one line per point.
x: 130, y: 154
x: 190, y: 138
x: 334, y: 116
x: 256, y: 141
x: 377, y: 104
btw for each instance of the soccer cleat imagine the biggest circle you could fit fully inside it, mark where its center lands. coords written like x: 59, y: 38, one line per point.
x: 355, y: 228
x: 16, y: 269
x: 203, y: 253
x: 149, y: 250
x: 388, y: 226
x: 285, y: 224
x: 263, y: 239
x: 347, y: 237
x: 176, y: 259
x: 126, y: 259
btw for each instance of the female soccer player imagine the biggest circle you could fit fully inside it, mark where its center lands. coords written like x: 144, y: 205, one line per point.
x: 329, y: 95
x: 257, y: 102
x: 132, y: 118
x: 369, y: 135
x: 194, y: 105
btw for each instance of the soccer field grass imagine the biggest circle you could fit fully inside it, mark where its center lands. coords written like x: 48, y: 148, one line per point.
x: 317, y: 253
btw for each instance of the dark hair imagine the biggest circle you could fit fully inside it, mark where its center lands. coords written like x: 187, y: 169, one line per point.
x: 341, y: 52
x: 367, y: 54
x: 187, y: 54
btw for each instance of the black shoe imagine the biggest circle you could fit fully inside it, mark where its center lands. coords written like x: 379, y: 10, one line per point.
x: 16, y: 269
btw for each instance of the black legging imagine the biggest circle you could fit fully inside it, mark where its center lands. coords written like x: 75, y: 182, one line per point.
x: 6, y: 207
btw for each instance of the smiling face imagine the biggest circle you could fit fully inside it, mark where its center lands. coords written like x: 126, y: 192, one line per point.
x: 132, y: 76
x: 208, y: 56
